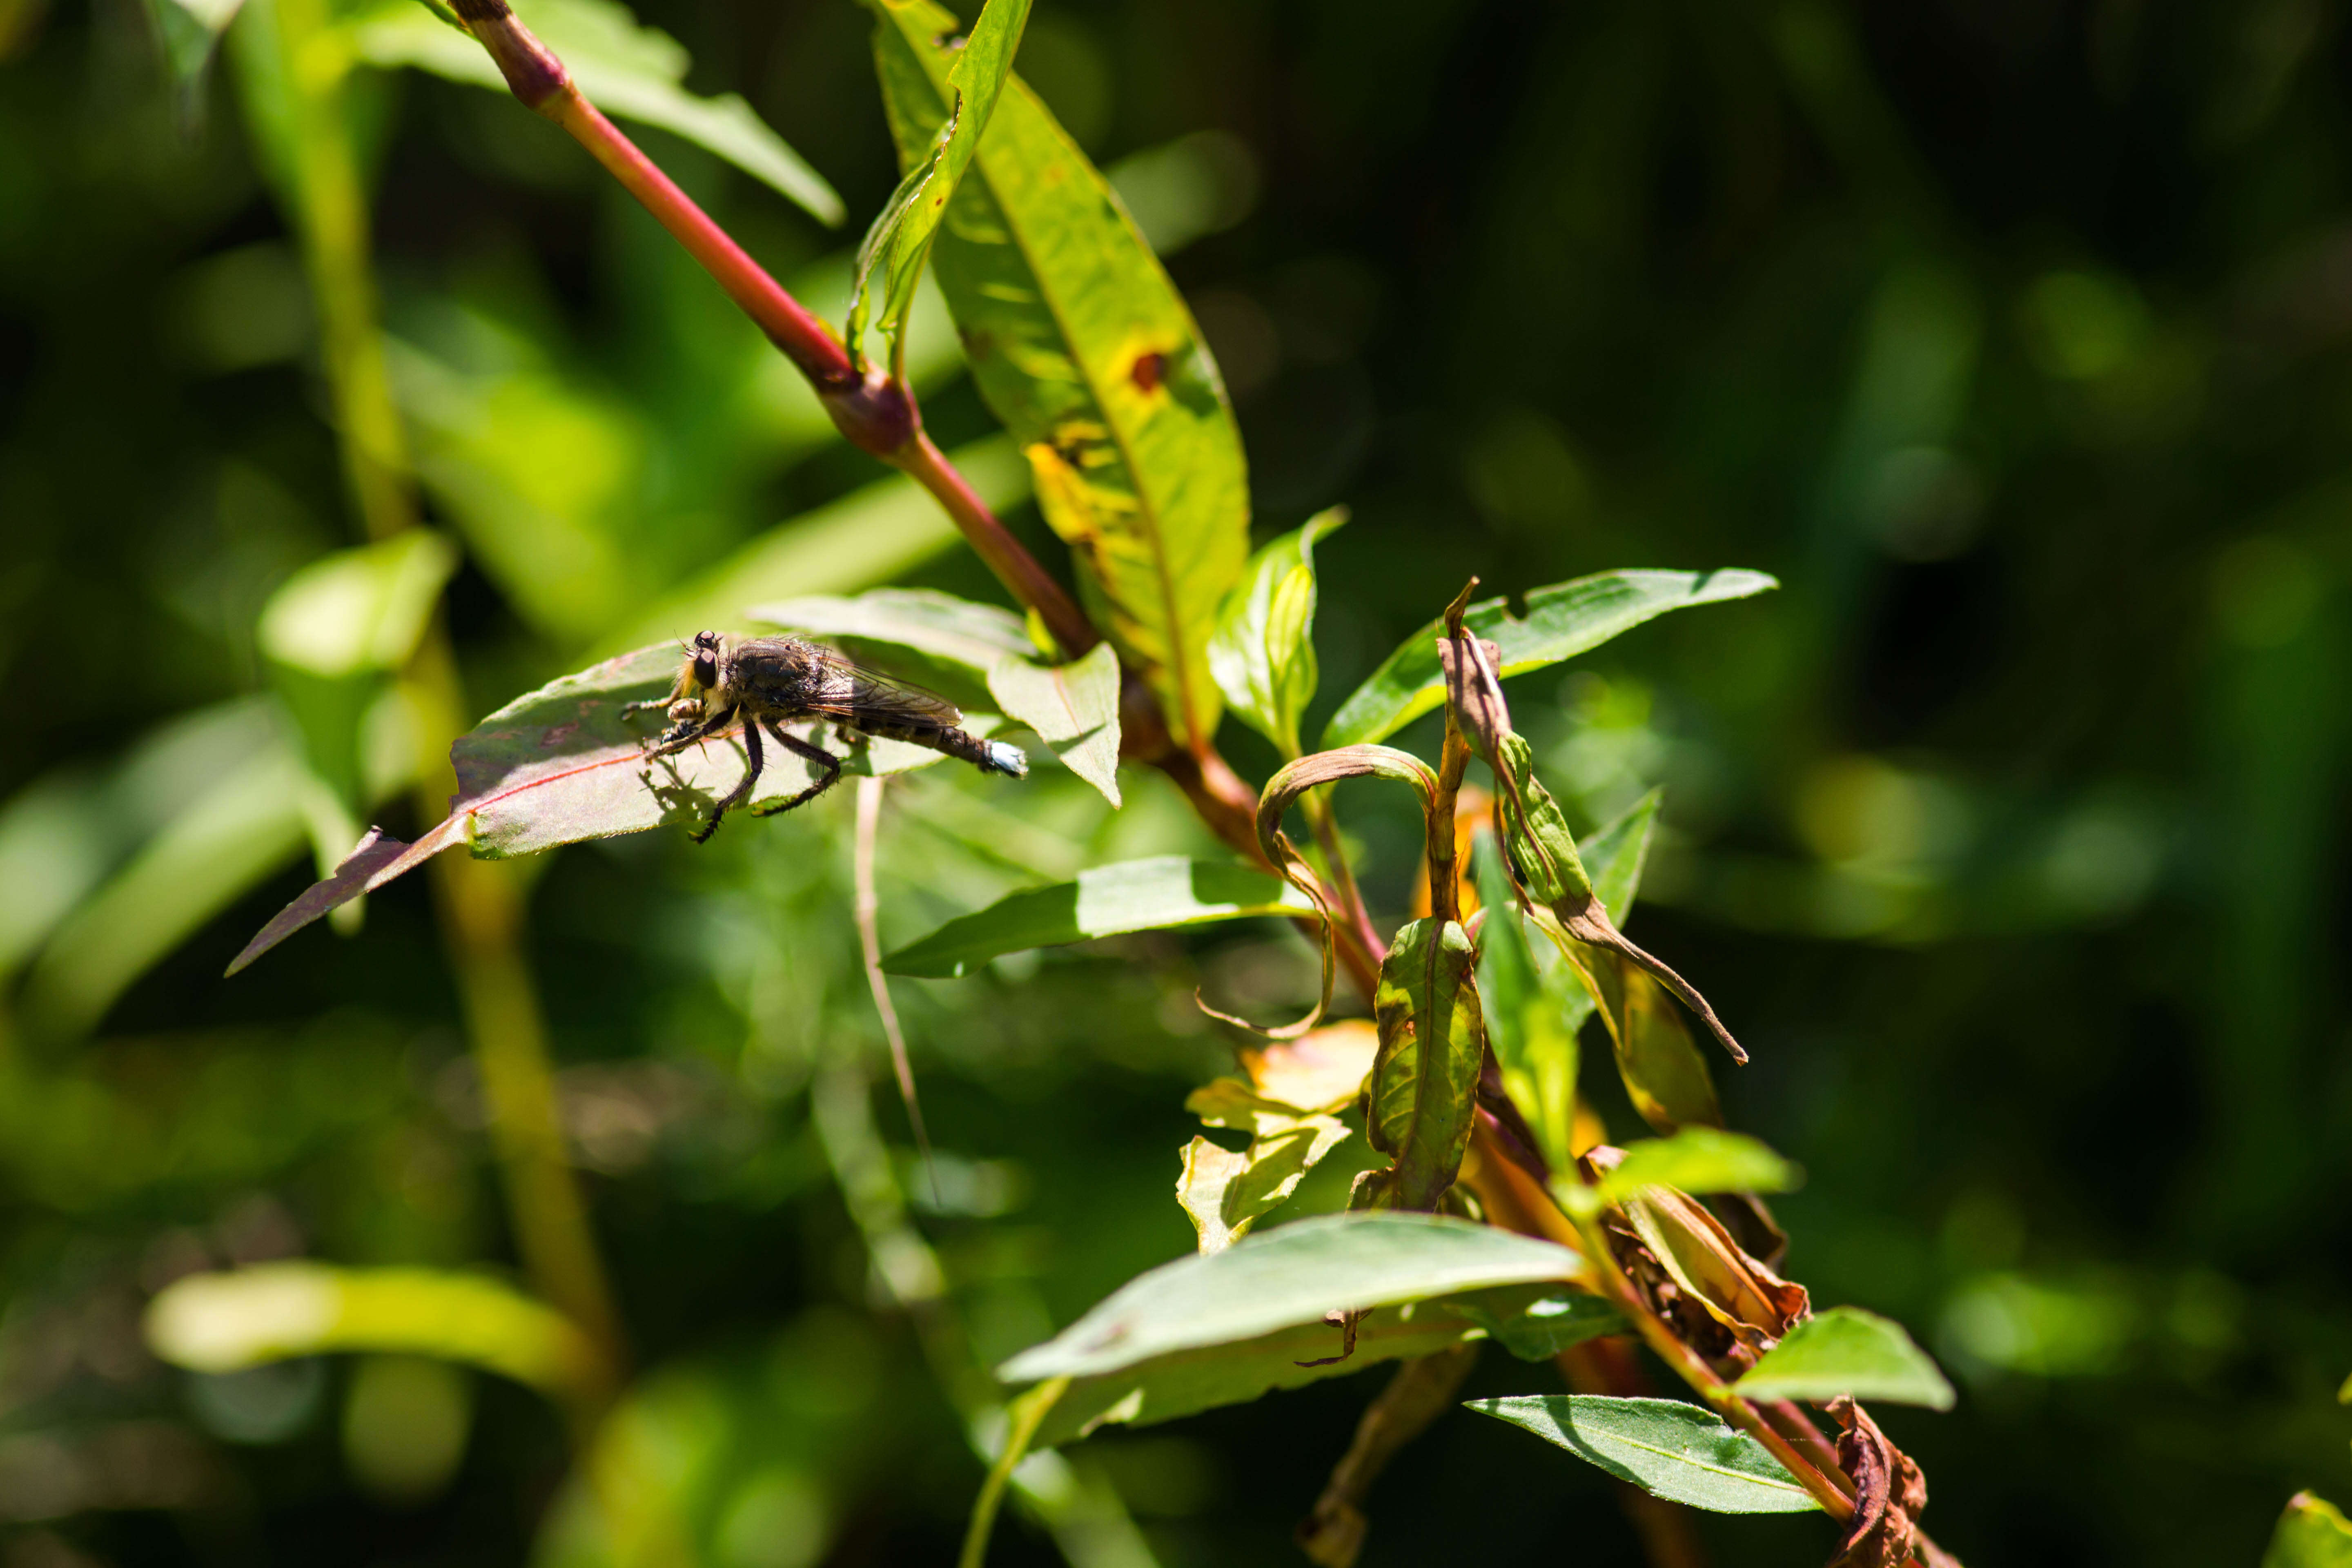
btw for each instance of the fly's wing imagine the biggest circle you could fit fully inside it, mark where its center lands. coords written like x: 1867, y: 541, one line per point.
x: 840, y: 688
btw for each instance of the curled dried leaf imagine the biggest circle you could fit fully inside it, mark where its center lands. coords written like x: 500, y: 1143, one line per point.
x: 1724, y: 1303
x: 1889, y: 1493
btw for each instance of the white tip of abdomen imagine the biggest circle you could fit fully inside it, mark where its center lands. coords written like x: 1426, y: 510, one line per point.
x: 1008, y: 759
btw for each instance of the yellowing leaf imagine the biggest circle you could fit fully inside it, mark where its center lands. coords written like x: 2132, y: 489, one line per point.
x: 1084, y: 349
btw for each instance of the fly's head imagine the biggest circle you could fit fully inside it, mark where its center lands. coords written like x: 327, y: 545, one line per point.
x: 700, y: 673
x: 705, y: 656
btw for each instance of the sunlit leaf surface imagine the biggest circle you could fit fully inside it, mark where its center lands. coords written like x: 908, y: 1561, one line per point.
x: 2312, y: 1533
x: 1561, y: 622
x: 563, y: 764
x: 1700, y: 1160
x: 1263, y: 654
x: 1288, y: 1275
x: 1676, y: 1451
x: 1074, y: 708
x: 1107, y: 901
x: 901, y: 240
x: 1848, y: 1351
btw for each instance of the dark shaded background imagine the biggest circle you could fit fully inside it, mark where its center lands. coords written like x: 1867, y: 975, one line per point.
x: 2010, y: 336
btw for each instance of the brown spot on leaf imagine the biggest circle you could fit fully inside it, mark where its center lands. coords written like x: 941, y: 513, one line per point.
x: 1148, y: 371
x: 560, y: 733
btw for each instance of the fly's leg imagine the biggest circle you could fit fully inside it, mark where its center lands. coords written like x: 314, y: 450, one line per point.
x: 686, y: 731
x: 742, y: 790
x: 800, y: 748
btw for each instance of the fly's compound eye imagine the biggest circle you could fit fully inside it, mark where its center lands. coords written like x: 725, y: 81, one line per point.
x: 706, y: 669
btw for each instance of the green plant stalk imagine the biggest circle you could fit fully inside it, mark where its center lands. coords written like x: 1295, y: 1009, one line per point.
x: 331, y: 214
x: 480, y: 911
x: 1022, y: 1418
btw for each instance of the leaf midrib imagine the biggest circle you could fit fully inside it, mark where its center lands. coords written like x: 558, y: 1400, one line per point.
x: 1713, y: 1468
x: 1150, y: 512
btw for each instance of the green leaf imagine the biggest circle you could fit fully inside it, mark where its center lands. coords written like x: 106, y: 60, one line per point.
x: 1422, y: 1097
x: 1669, y: 1449
x: 1530, y: 1023
x: 1697, y: 1159
x: 224, y: 1322
x: 1263, y: 654
x: 189, y: 32
x: 1615, y: 854
x: 1613, y: 857
x: 1107, y: 901
x: 1548, y: 1326
x: 561, y: 765
x: 1562, y: 621
x: 1207, y: 1377
x: 332, y: 634
x: 2312, y: 1533
x: 867, y: 536
x: 1074, y: 708
x: 234, y: 830
x: 1847, y: 1350
x: 901, y: 239
x: 358, y: 610
x: 1291, y: 1274
x: 1082, y: 346
x: 1664, y: 1073
x: 630, y: 73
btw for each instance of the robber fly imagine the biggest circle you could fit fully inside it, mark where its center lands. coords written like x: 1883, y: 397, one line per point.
x: 768, y: 681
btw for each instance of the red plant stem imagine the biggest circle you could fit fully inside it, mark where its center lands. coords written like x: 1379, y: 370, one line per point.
x: 1793, y: 1424
x: 804, y: 339
x: 876, y: 412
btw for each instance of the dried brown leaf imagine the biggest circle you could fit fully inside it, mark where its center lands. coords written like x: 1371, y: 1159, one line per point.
x: 1889, y: 1493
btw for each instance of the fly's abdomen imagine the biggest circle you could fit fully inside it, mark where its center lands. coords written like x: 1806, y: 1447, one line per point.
x: 988, y: 756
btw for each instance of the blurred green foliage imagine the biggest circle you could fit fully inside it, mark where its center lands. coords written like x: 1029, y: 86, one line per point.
x: 2008, y: 835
